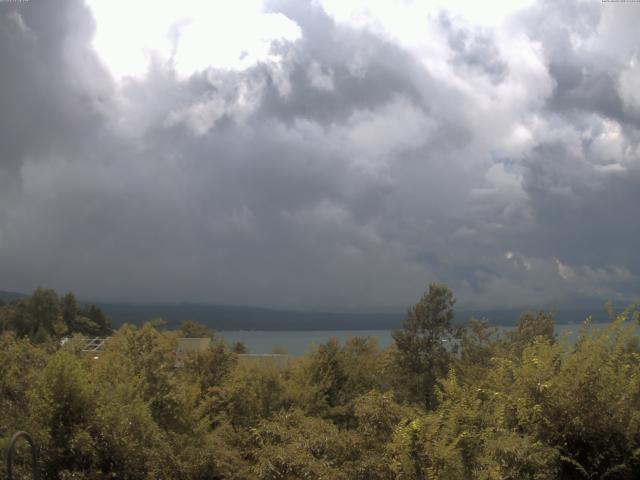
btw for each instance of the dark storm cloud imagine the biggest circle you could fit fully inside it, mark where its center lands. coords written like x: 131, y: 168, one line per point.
x: 582, y: 210
x: 582, y: 184
x: 360, y: 70
x: 586, y: 69
x: 578, y: 87
x: 156, y: 207
x: 44, y: 55
x: 347, y: 174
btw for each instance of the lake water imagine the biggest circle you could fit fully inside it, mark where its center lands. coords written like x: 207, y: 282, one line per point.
x: 301, y: 342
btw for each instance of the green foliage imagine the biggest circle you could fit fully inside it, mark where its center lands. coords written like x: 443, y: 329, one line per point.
x: 377, y: 416
x: 20, y: 363
x: 91, y: 321
x: 422, y: 355
x: 45, y: 318
x: 61, y: 400
x: 211, y: 367
x: 479, y: 344
x: 38, y: 317
x: 327, y: 382
x: 253, y: 392
x: 294, y: 446
x: 531, y: 325
x: 517, y: 406
x: 239, y: 347
x: 193, y: 329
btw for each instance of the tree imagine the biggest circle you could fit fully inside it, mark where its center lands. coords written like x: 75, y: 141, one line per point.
x: 251, y: 393
x: 421, y: 354
x: 240, y: 348
x: 531, y: 325
x: 20, y: 363
x: 15, y: 317
x: 294, y: 446
x: 46, y: 314
x: 92, y: 321
x: 69, y: 306
x: 211, y: 367
x: 193, y: 329
x: 62, y: 404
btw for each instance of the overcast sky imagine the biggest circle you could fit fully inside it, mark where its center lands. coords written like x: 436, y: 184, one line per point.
x: 321, y: 154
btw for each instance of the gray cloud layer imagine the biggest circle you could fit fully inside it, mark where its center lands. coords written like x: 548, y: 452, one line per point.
x: 347, y: 176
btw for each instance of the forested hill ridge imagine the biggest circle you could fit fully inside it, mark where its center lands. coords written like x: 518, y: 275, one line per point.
x: 225, y: 317
x: 4, y: 295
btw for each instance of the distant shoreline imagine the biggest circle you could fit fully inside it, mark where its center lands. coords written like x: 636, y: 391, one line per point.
x: 234, y: 318
x: 301, y: 342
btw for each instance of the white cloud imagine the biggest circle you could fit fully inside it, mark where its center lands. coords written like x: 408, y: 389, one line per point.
x: 193, y: 35
x: 518, y: 260
x: 379, y: 137
x: 595, y: 281
x: 629, y: 85
x: 406, y: 18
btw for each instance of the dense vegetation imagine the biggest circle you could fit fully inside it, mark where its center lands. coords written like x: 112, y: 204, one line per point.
x: 481, y: 405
